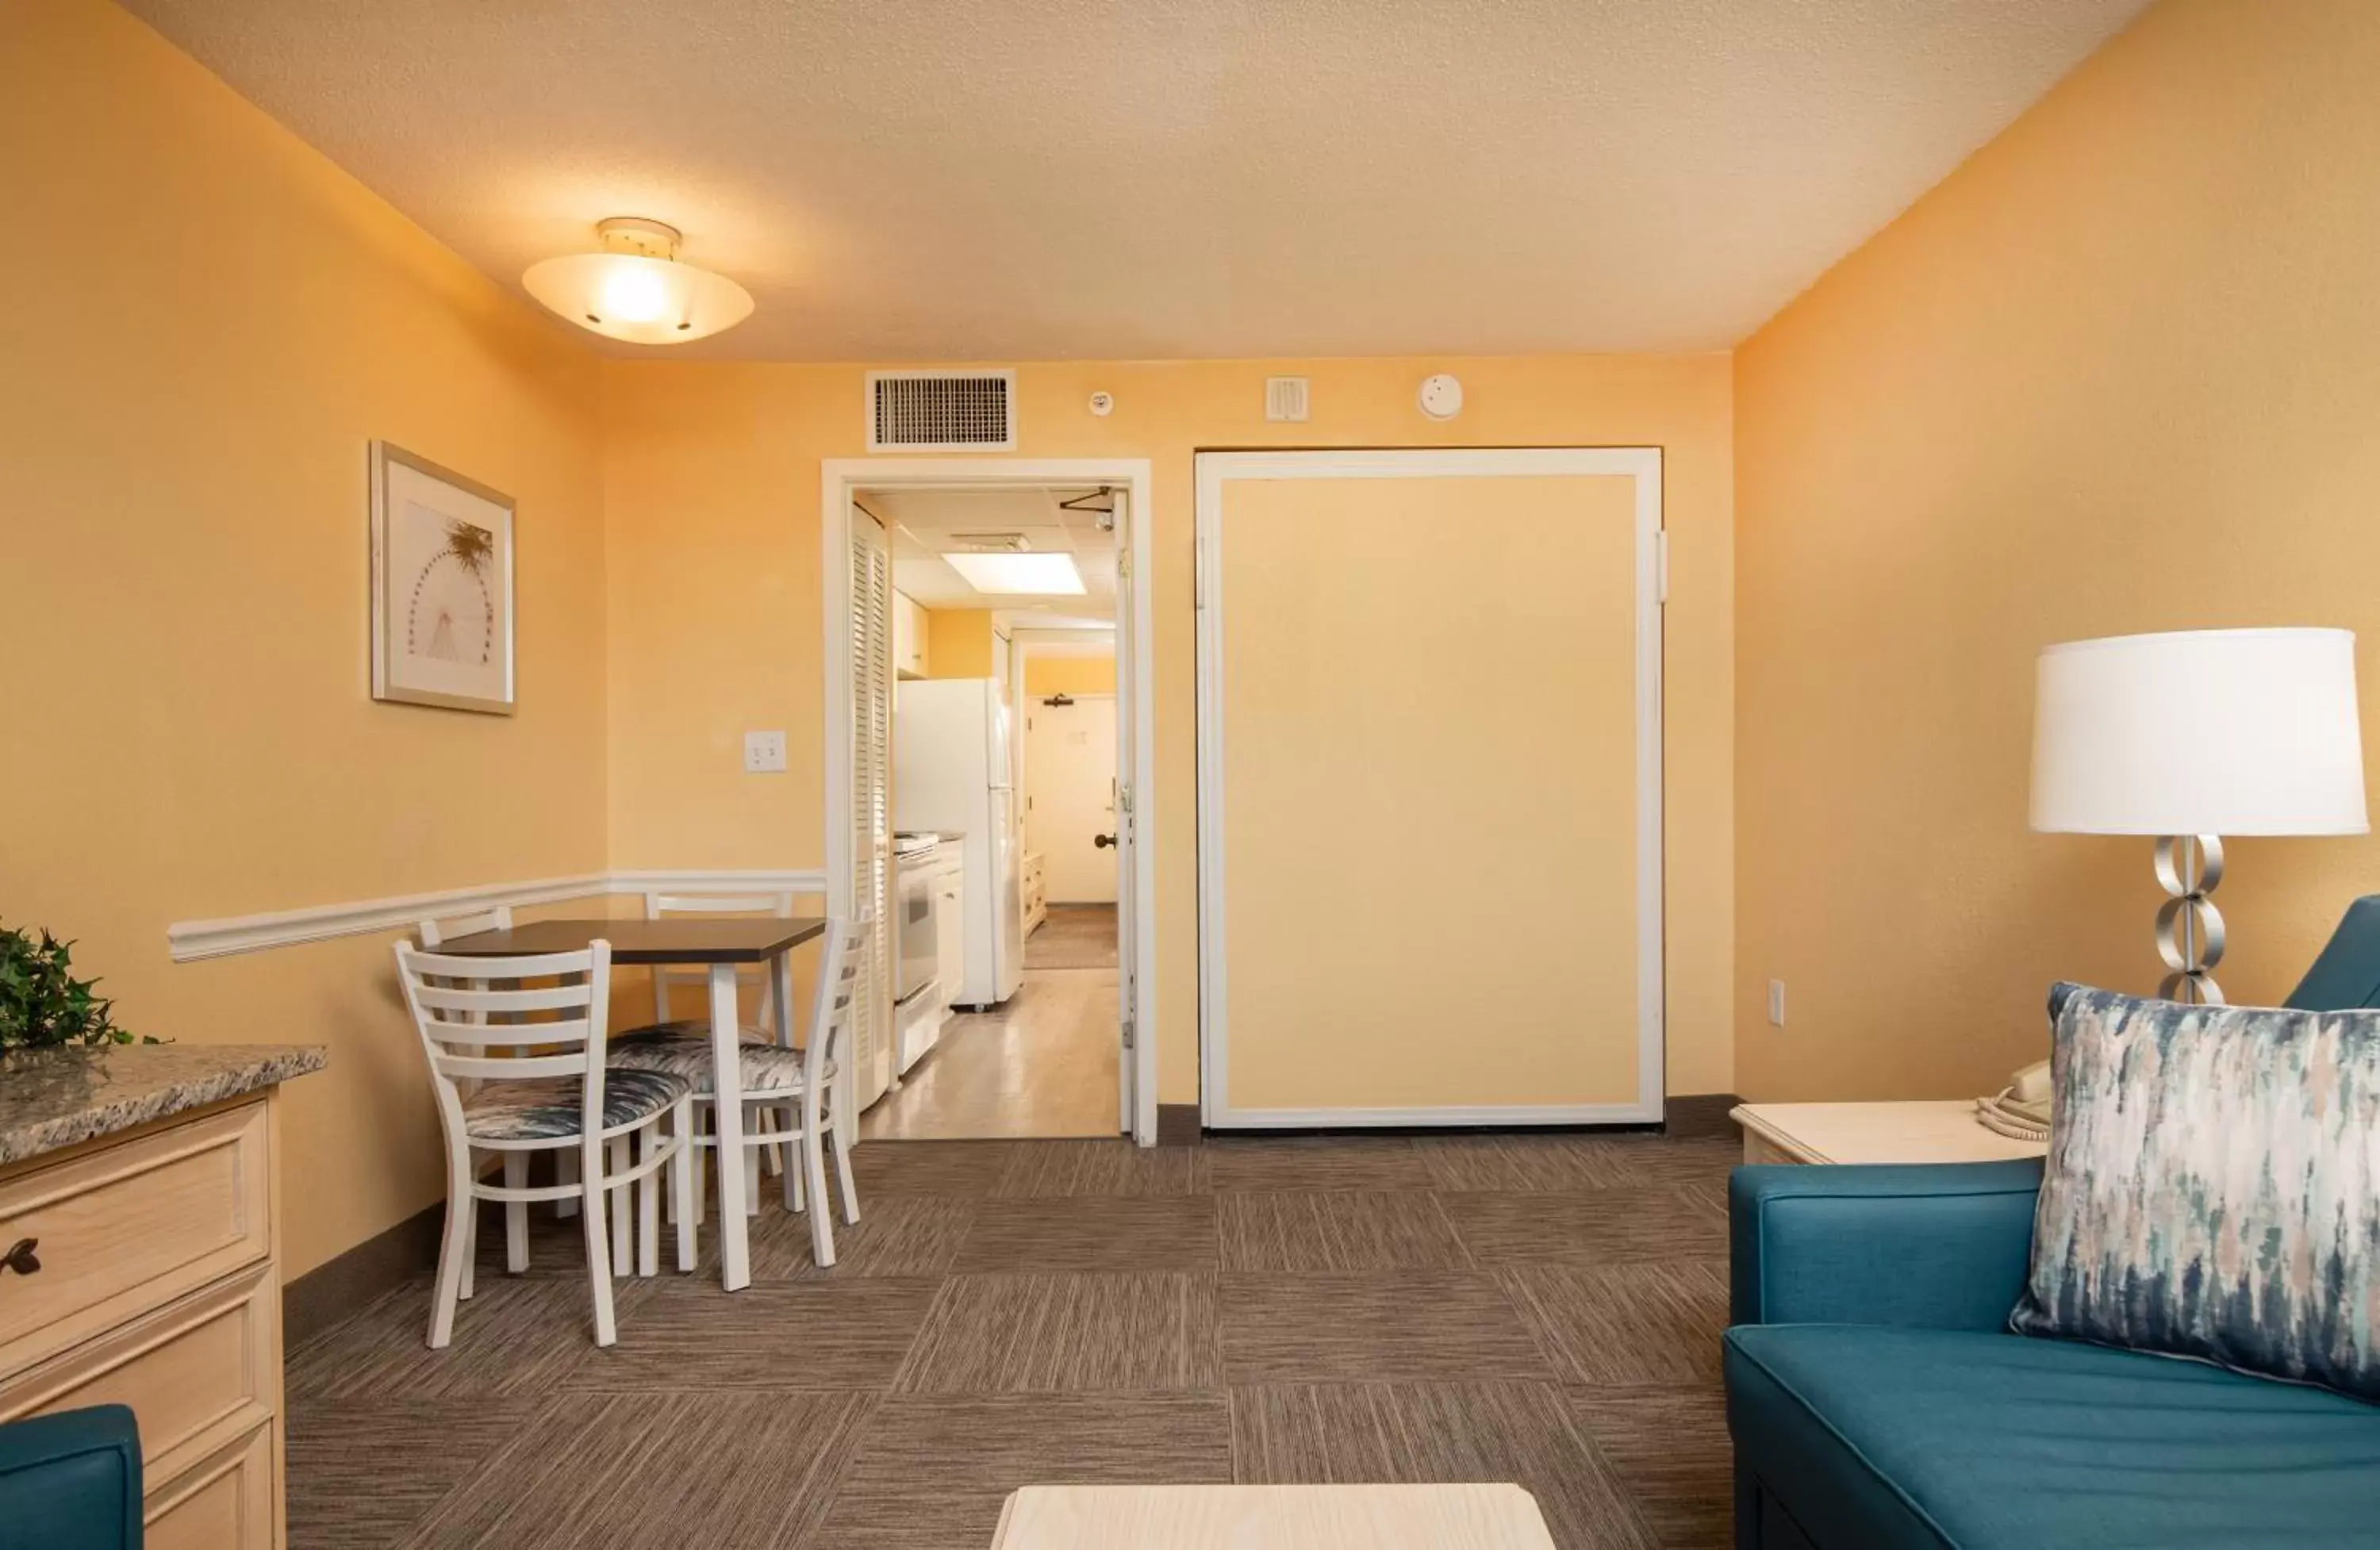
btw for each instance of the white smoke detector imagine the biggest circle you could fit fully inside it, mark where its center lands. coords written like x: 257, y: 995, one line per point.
x: 1441, y: 395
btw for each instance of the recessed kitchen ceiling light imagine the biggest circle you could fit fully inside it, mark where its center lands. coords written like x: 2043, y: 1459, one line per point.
x: 637, y: 289
x: 1019, y: 576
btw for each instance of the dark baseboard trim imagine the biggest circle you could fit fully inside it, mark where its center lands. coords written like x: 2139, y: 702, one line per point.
x: 338, y: 1287
x: 1700, y: 1114
x: 1685, y: 1115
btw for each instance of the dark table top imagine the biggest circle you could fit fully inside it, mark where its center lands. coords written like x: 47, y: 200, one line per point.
x: 729, y: 940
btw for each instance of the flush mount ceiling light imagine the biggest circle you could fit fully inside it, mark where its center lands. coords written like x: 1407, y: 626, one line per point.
x: 1016, y: 575
x: 636, y: 289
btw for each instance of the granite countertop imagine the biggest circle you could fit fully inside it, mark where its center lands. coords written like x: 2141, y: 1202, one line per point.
x: 52, y: 1098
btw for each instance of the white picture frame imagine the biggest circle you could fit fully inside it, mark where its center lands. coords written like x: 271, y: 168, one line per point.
x: 442, y: 586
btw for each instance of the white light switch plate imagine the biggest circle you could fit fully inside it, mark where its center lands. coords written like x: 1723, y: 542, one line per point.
x: 1777, y: 1002
x: 764, y: 753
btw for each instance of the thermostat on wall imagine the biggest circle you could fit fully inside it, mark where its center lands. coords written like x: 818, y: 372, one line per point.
x: 1441, y: 395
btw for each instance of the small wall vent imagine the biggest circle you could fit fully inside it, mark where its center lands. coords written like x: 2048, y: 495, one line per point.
x: 941, y: 411
x: 1285, y: 399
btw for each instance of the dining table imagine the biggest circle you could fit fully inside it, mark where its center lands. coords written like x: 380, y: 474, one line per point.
x: 723, y: 945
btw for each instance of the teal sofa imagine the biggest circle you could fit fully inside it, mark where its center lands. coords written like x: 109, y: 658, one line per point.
x: 1877, y: 1400
x: 71, y: 1482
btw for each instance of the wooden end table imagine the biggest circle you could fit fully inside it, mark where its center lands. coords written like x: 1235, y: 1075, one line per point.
x: 1933, y: 1132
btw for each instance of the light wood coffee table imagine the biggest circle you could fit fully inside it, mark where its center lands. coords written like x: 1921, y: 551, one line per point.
x: 1873, y: 1133
x: 1271, y: 1517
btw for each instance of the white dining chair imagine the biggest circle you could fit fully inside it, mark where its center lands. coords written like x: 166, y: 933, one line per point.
x: 768, y: 1026
x: 798, y: 1084
x: 542, y: 1101
x: 434, y: 934
x: 765, y: 1023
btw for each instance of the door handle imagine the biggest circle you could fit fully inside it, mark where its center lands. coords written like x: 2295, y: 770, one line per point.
x: 1103, y: 840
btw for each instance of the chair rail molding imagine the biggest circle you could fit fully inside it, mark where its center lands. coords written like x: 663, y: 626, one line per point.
x: 189, y: 940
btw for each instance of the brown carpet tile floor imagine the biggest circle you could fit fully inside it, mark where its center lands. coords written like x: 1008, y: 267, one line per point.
x: 1539, y: 1309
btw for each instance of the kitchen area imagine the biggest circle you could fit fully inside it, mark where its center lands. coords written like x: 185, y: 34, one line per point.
x: 984, y: 1043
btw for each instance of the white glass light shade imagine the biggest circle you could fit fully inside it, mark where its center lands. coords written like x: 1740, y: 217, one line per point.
x: 2202, y: 732
x: 641, y: 300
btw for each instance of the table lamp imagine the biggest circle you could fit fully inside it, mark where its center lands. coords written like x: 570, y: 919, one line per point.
x: 2189, y: 737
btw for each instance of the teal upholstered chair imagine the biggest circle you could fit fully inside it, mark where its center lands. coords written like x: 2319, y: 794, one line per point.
x: 71, y: 1482
x: 1877, y: 1400
x: 2348, y: 972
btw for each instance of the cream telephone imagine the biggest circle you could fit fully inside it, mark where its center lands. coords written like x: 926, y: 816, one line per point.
x: 2021, y: 1110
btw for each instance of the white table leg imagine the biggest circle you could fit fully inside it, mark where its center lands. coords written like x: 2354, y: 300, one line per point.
x: 727, y: 1122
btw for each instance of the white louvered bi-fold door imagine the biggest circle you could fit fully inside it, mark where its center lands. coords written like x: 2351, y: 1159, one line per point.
x: 871, y: 798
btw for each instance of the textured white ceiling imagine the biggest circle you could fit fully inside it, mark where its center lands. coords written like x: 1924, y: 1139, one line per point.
x: 925, y: 525
x: 1011, y: 179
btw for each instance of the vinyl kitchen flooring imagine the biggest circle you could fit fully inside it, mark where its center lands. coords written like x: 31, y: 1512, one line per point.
x: 1073, y: 937
x: 1539, y: 1309
x: 1043, y: 1064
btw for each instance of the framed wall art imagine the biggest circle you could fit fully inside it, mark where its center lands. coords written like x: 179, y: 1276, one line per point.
x: 441, y: 586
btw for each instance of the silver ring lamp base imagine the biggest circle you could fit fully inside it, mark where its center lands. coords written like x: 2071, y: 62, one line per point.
x: 2189, y: 927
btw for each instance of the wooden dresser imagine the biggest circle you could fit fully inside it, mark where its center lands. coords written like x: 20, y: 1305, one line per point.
x: 140, y: 1210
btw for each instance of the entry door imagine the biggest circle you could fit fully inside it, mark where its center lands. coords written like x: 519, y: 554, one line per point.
x: 1429, y: 794
x: 1070, y: 769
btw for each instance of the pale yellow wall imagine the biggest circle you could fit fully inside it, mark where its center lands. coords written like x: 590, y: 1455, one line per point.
x: 958, y: 643
x: 208, y: 322
x: 224, y: 321
x: 711, y: 479
x: 2119, y: 372
x: 1070, y: 675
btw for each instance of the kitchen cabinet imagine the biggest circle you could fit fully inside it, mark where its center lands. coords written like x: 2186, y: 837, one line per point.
x: 147, y: 1268
x: 908, y: 638
x: 1037, y: 892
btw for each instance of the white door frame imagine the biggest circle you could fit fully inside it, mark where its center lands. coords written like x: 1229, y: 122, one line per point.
x: 1641, y: 464
x: 841, y: 477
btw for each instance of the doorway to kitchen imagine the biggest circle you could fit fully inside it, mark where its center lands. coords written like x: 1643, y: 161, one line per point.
x: 961, y: 594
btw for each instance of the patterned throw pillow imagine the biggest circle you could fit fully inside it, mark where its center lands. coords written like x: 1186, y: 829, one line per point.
x: 2213, y: 1187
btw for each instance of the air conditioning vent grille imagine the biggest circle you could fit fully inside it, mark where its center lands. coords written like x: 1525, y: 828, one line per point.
x: 941, y: 411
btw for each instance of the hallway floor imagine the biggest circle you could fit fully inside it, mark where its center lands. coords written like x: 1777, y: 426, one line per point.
x: 1539, y: 1309
x: 1073, y: 937
x: 1041, y: 1065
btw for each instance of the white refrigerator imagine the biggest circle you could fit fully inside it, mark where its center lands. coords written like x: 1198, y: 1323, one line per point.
x: 951, y: 775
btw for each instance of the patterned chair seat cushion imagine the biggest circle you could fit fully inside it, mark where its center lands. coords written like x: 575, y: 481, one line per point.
x: 688, y: 1030
x: 546, y: 1108
x: 768, y: 1068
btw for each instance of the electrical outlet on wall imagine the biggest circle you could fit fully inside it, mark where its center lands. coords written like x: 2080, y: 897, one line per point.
x: 764, y: 753
x: 1777, y: 1002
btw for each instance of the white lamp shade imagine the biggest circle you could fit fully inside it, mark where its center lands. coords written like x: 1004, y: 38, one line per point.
x: 2205, y: 732
x: 640, y: 299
